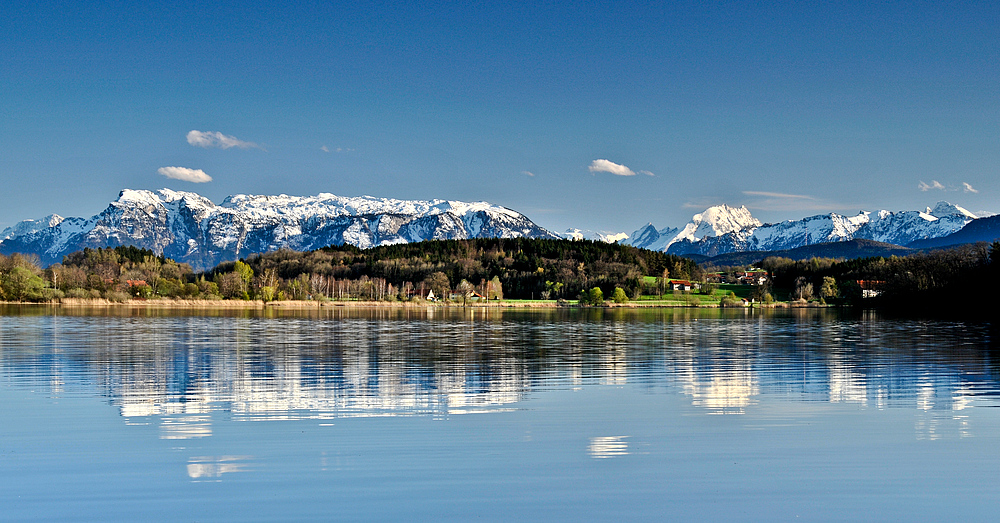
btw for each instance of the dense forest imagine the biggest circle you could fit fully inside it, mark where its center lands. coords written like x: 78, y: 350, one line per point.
x: 963, y: 278
x: 511, y: 268
x: 116, y: 274
x: 523, y: 268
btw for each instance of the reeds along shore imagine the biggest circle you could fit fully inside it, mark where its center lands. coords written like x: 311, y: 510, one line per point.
x: 301, y: 304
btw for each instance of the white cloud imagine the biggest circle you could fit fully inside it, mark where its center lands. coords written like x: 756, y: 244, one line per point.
x: 606, y: 166
x: 647, y: 173
x: 185, y: 174
x: 779, y: 195
x: 933, y: 185
x: 208, y: 139
x: 968, y: 188
x: 785, y: 202
x: 324, y: 149
x: 528, y: 173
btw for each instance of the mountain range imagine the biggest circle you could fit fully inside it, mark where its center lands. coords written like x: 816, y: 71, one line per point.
x: 723, y: 229
x: 191, y: 228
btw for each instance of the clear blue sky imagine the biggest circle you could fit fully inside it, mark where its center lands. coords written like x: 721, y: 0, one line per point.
x: 792, y: 108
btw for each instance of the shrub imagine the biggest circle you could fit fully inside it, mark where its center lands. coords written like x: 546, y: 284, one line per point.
x: 730, y: 300
x: 77, y: 292
x: 829, y: 287
x: 52, y: 294
x: 116, y: 296
x: 21, y: 284
x: 596, y: 296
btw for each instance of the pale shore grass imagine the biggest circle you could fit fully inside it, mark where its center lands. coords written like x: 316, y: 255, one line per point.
x: 167, y: 303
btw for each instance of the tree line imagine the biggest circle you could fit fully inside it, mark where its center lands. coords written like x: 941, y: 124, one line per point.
x: 116, y: 274
x: 520, y: 268
x: 492, y: 268
x: 961, y: 278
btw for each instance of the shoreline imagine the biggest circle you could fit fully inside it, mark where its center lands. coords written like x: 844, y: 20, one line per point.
x: 306, y: 305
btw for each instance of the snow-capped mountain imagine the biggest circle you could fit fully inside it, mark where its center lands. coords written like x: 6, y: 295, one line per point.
x: 597, y: 236
x: 723, y: 229
x: 649, y: 237
x: 30, y: 226
x: 715, y: 221
x: 191, y: 228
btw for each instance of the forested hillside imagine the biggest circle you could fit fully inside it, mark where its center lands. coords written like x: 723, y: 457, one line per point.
x: 511, y: 268
x: 525, y: 267
x: 963, y: 279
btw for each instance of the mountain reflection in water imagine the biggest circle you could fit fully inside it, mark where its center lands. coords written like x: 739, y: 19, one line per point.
x: 361, y: 363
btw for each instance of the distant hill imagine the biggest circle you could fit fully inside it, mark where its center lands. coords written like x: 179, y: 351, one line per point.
x: 847, y: 250
x: 979, y: 230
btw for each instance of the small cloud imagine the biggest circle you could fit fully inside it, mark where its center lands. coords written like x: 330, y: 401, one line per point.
x: 344, y: 150
x: 324, y: 149
x: 528, y: 173
x: 185, y: 174
x: 606, y: 166
x: 770, y: 202
x: 647, y: 173
x: 968, y: 188
x: 787, y: 202
x: 702, y: 203
x: 208, y: 139
x: 779, y: 195
x: 933, y: 185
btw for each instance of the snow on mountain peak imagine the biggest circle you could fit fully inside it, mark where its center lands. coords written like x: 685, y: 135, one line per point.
x: 717, y: 221
x: 944, y: 208
x: 30, y: 226
x: 601, y: 236
x: 138, y: 197
x: 191, y: 228
x: 722, y: 229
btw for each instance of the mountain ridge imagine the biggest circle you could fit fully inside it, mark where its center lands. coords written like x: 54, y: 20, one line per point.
x: 728, y: 229
x: 190, y: 228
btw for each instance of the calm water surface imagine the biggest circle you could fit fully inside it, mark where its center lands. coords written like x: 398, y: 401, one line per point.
x: 498, y: 415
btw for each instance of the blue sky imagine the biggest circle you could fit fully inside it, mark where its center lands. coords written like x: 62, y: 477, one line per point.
x: 791, y: 108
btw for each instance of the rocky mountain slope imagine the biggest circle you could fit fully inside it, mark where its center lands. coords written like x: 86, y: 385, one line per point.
x: 723, y: 229
x: 191, y: 228
x: 985, y: 229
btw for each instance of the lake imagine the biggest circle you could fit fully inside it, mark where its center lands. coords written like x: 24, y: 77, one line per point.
x: 496, y: 415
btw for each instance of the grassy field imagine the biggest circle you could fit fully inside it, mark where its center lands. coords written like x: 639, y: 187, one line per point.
x: 670, y: 298
x: 675, y: 297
